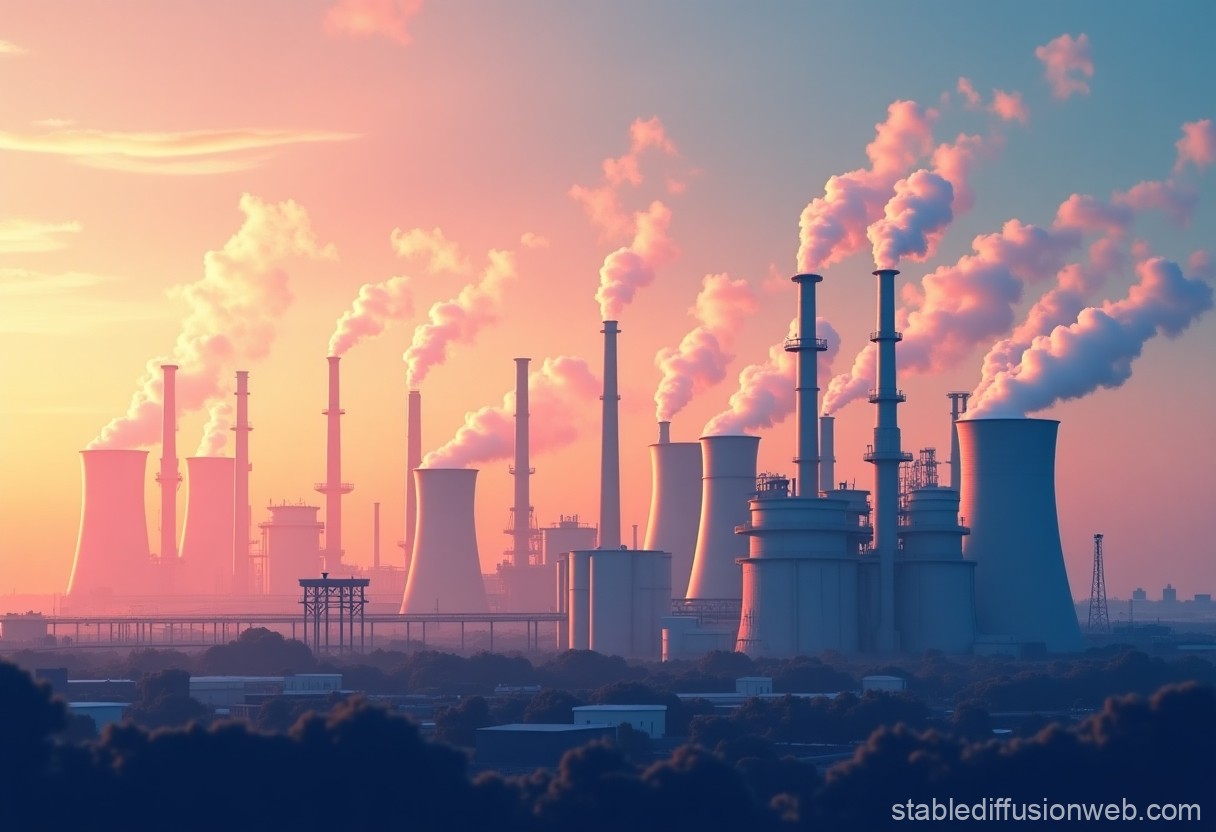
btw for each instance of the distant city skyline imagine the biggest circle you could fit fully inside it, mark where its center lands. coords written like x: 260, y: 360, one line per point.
x: 430, y: 190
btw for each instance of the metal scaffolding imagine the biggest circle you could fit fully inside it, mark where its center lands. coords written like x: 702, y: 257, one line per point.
x: 324, y: 595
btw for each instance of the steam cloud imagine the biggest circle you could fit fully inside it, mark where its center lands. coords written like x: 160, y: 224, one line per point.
x: 556, y: 395
x: 700, y: 360
x: 1098, y: 349
x: 376, y: 305
x: 631, y: 268
x: 602, y: 202
x: 766, y: 391
x: 233, y: 313
x: 459, y: 319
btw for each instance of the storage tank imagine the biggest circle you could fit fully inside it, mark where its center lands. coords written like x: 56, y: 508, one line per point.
x: 207, y: 531
x: 1009, y: 501
x: 112, y: 552
x: 445, y: 569
x: 728, y: 483
x: 291, y: 541
x: 675, y: 504
x: 934, y: 586
x: 630, y: 594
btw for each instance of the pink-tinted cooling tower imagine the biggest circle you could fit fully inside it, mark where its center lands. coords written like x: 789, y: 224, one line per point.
x: 112, y: 553
x: 206, y: 549
x: 1009, y: 501
x: 728, y: 485
x: 445, y: 570
x: 675, y: 505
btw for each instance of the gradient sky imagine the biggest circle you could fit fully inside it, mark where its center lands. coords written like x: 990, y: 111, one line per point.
x: 131, y: 131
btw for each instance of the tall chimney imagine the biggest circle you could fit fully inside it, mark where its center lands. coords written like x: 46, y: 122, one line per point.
x: 375, y: 535
x: 827, y: 453
x: 806, y: 400
x: 521, y: 524
x: 240, y: 489
x: 610, y: 450
x: 958, y: 406
x: 169, y: 478
x: 413, y: 458
x: 333, y: 488
x: 664, y: 433
x: 886, y: 456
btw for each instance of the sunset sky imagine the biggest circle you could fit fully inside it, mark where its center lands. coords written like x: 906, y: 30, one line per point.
x: 216, y: 181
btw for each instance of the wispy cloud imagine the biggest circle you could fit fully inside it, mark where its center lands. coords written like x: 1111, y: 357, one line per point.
x: 9, y: 48
x: 1067, y: 63
x: 180, y: 152
x: 64, y: 304
x: 385, y: 18
x: 20, y: 235
x: 54, y: 122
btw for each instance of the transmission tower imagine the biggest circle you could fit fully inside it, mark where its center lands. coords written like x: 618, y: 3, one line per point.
x: 1099, y: 617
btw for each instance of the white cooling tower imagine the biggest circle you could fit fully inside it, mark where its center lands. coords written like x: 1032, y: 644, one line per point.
x: 728, y: 484
x: 112, y: 553
x: 675, y: 506
x: 1009, y: 501
x: 206, y: 549
x: 445, y: 570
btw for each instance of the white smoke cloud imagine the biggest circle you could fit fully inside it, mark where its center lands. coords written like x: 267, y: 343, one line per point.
x: 432, y: 247
x: 700, y: 360
x: 558, y: 395
x: 374, y: 308
x: 630, y: 269
x: 233, y: 314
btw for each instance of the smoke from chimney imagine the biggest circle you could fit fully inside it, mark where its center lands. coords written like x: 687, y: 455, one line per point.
x: 376, y: 305
x: 629, y: 269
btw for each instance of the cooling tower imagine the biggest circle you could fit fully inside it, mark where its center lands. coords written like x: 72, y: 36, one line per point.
x: 610, y: 448
x: 112, y: 552
x: 675, y: 505
x: 728, y: 484
x: 207, y: 530
x: 168, y: 477
x: 333, y: 488
x: 292, y: 544
x: 241, y: 531
x: 1009, y: 501
x: 413, y: 458
x: 445, y: 570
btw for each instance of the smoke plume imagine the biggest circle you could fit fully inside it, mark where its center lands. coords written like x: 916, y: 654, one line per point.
x: 215, y: 432
x: 233, y: 314
x: 1098, y: 349
x: 458, y: 319
x: 766, y: 391
x: 631, y: 268
x: 440, y: 253
x: 557, y: 393
x: 376, y: 305
x: 700, y: 360
x: 602, y: 201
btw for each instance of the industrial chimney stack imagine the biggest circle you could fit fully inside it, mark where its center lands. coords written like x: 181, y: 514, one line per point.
x: 610, y: 452
x: 827, y: 453
x: 333, y: 488
x: 806, y: 399
x: 958, y: 406
x: 886, y: 456
x: 240, y: 488
x: 521, y: 524
x: 169, y: 478
x: 413, y: 458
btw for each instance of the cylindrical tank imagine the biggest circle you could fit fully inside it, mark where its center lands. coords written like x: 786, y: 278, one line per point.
x: 292, y: 540
x: 207, y: 531
x: 564, y: 536
x: 112, y: 553
x: 1009, y: 502
x: 630, y: 595
x: 728, y: 484
x: 935, y: 604
x: 445, y: 570
x: 675, y: 507
x: 930, y: 528
x: 578, y: 594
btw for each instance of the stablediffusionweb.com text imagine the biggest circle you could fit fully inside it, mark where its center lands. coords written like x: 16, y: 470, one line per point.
x: 999, y: 809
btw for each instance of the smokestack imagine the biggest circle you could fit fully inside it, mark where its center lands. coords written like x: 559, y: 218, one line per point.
x: 333, y: 488
x: 169, y: 478
x: 375, y: 535
x: 806, y: 398
x: 445, y: 570
x: 729, y: 482
x: 958, y: 406
x: 206, y: 551
x: 241, y: 530
x: 827, y: 453
x: 112, y: 549
x: 886, y: 456
x: 413, y: 458
x: 521, y: 530
x: 610, y: 450
x: 675, y: 504
x: 1009, y: 500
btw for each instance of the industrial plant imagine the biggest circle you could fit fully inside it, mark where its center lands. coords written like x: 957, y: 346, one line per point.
x: 765, y: 563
